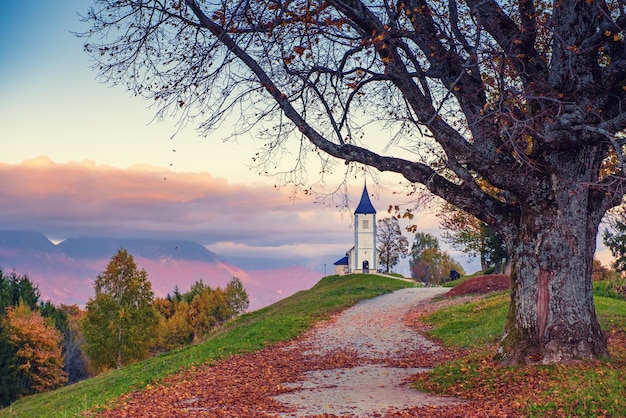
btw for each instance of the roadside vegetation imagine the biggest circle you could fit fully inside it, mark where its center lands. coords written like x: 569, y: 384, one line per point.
x: 584, y: 389
x: 281, y: 321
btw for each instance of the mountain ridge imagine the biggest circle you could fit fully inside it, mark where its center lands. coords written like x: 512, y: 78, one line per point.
x: 96, y: 247
x: 65, y: 272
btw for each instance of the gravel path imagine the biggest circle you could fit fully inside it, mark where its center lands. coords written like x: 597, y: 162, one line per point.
x: 375, y: 331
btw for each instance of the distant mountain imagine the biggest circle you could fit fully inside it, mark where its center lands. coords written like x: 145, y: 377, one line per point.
x: 26, y: 240
x: 90, y: 248
x: 65, y: 272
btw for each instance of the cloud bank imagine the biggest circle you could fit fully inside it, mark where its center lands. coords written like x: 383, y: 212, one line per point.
x: 82, y: 199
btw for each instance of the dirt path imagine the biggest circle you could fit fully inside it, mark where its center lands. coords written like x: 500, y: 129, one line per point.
x: 356, y: 365
x: 374, y: 331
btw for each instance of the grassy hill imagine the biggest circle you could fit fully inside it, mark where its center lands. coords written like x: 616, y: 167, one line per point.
x: 281, y: 321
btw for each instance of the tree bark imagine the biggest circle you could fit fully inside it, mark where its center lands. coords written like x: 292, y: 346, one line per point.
x: 119, y: 346
x: 552, y: 316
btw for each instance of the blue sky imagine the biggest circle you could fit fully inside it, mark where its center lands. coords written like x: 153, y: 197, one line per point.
x: 52, y: 104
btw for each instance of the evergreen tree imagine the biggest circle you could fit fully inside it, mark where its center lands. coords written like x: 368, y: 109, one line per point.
x: 14, y: 287
x: 10, y: 387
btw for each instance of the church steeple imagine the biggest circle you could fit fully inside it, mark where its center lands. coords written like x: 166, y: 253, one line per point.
x: 364, y: 256
x: 365, y: 205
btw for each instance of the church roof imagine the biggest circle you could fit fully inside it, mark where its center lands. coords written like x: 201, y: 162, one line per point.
x: 342, y: 261
x: 365, y: 205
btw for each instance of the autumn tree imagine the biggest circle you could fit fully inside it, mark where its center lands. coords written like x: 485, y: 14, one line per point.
x: 391, y: 243
x: 422, y: 242
x: 428, y: 262
x: 207, y: 310
x: 237, y: 297
x: 38, y: 347
x: 119, y: 322
x: 193, y: 314
x: 473, y: 236
x: 19, y: 294
x: 178, y: 329
x: 524, y: 96
x: 165, y: 307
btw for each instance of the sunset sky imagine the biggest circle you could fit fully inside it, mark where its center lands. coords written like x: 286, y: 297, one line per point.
x: 80, y: 158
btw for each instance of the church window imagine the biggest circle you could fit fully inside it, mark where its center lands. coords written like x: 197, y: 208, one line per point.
x: 365, y: 224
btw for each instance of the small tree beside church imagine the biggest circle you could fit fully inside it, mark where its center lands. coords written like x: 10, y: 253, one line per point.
x: 391, y: 243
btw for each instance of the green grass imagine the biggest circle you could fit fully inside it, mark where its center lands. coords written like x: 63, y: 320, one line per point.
x: 611, y: 313
x: 470, y: 325
x: 474, y: 324
x: 610, y: 288
x: 281, y: 321
x: 585, y: 389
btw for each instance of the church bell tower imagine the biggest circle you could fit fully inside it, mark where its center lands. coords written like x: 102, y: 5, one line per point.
x: 365, y: 256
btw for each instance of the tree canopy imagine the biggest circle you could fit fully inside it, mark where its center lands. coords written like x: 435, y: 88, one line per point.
x: 428, y: 262
x: 120, y: 320
x: 474, y: 237
x: 38, y: 349
x: 391, y: 243
x: 518, y: 96
x: 32, y: 350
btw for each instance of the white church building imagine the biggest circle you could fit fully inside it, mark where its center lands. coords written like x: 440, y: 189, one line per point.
x: 363, y: 257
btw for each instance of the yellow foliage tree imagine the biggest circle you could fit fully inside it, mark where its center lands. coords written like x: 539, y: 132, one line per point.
x: 207, y: 310
x: 38, y: 346
x: 120, y: 322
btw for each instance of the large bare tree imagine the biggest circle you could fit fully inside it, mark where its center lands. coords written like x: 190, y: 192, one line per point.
x: 507, y: 109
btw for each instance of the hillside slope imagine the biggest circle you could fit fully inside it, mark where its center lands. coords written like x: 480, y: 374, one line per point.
x: 281, y: 321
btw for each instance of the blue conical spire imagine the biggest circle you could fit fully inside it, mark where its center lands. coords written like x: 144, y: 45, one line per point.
x: 365, y: 205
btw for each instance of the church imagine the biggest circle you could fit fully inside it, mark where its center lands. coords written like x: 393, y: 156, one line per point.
x: 363, y: 257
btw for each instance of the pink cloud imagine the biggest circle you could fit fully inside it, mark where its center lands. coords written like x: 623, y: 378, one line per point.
x: 86, y: 199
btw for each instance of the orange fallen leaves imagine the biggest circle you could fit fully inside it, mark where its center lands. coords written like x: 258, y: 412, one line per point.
x: 244, y: 385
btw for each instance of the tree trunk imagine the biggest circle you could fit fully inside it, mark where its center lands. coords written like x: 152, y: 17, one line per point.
x: 119, y: 347
x: 483, y: 261
x: 552, y: 316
